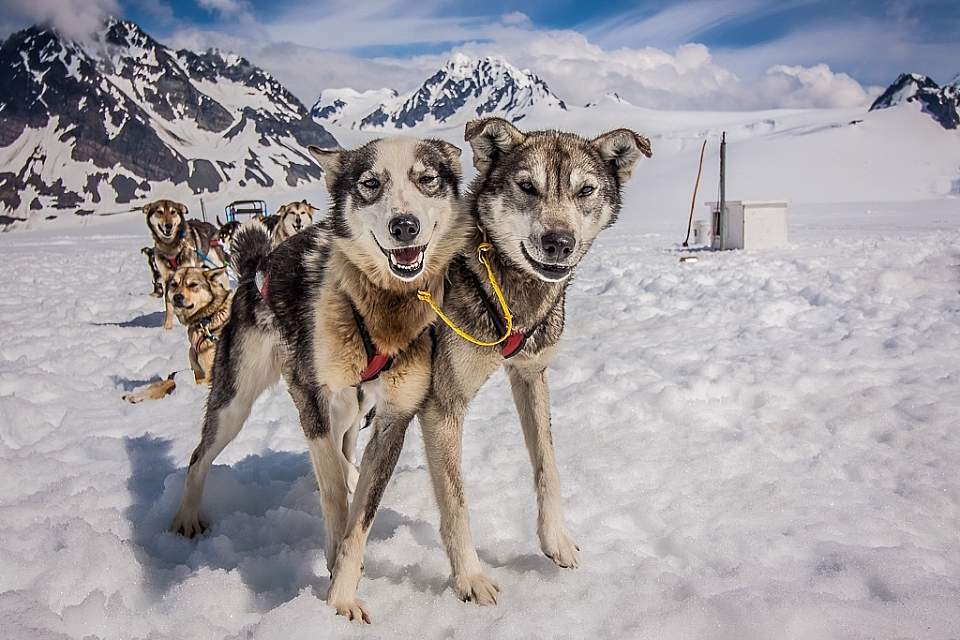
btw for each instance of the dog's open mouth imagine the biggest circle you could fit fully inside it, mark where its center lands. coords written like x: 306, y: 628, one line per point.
x: 407, y: 262
x: 553, y: 272
x: 181, y: 305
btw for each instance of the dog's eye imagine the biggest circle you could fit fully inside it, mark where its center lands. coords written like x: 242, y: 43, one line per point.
x: 426, y: 180
x: 193, y: 285
x: 583, y: 193
x: 371, y: 183
x: 527, y: 187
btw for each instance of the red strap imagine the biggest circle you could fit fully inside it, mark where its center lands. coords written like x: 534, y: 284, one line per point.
x: 172, y: 262
x: 513, y: 344
x: 264, y: 287
x: 376, y: 364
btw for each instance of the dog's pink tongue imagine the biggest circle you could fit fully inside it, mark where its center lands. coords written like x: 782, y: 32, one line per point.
x: 410, y: 255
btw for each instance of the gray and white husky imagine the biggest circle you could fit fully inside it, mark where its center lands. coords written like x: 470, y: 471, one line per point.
x: 334, y: 310
x: 540, y: 198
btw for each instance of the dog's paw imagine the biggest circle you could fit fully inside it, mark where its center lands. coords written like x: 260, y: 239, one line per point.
x: 188, y: 525
x: 167, y: 326
x: 560, y: 547
x: 352, y: 609
x: 477, y: 588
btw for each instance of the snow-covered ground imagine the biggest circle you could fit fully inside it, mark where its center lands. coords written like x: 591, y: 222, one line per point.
x: 756, y: 445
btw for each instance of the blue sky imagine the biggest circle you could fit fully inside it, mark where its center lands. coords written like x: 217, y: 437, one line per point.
x: 724, y: 26
x: 728, y: 54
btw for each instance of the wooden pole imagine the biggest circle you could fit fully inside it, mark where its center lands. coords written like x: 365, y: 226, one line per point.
x: 696, y: 187
x: 723, y: 186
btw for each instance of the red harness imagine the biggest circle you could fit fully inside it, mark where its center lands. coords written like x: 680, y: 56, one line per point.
x: 377, y: 362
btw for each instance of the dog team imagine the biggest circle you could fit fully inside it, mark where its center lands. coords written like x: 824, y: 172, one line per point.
x: 401, y: 302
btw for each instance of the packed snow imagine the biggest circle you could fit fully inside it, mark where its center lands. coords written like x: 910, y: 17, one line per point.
x: 755, y: 445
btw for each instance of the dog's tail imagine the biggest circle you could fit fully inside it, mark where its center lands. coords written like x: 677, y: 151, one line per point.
x: 249, y: 247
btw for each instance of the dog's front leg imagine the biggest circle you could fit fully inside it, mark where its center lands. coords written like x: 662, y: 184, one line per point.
x: 313, y: 403
x: 167, y: 310
x: 532, y: 397
x: 441, y: 423
x: 379, y: 459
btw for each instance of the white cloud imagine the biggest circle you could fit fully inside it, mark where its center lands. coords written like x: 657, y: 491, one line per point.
x: 307, y: 50
x: 73, y: 18
x: 229, y: 8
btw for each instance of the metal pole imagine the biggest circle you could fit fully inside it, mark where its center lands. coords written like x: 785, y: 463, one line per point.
x: 203, y: 210
x: 723, y: 187
x: 723, y: 170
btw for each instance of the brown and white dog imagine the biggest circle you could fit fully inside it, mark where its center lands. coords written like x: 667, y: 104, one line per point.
x: 201, y: 299
x: 178, y: 242
x: 291, y: 219
x: 334, y: 310
x: 540, y: 199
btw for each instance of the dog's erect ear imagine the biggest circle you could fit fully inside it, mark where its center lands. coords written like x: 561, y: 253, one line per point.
x: 491, y: 138
x: 219, y: 224
x: 451, y: 152
x: 620, y: 149
x: 148, y: 208
x: 329, y: 159
x: 213, y: 275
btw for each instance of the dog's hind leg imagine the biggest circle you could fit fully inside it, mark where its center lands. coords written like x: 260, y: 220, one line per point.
x: 379, y: 459
x: 247, y: 363
x: 532, y: 398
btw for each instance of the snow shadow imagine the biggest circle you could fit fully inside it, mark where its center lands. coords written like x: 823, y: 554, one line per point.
x: 152, y: 320
x: 264, y: 522
x: 129, y: 384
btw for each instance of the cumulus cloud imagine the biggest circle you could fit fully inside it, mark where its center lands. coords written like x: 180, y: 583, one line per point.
x: 313, y: 53
x: 686, y: 78
x: 73, y: 18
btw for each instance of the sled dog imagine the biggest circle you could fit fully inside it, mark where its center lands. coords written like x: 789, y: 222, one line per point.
x: 292, y: 218
x: 334, y: 310
x: 539, y: 199
x: 179, y: 242
x: 201, y: 301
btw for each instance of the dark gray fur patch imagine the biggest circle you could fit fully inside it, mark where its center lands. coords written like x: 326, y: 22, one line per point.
x: 434, y: 156
x: 353, y: 164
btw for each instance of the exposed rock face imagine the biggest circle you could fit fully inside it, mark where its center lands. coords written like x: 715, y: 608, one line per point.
x: 124, y: 118
x: 942, y: 103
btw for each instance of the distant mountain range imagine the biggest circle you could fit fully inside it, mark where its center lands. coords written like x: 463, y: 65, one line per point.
x: 124, y: 117
x: 462, y: 89
x: 941, y: 103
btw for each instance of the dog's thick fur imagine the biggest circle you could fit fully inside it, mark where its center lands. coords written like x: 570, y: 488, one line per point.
x: 201, y: 300
x: 292, y: 218
x: 300, y: 322
x: 178, y: 242
x: 540, y: 198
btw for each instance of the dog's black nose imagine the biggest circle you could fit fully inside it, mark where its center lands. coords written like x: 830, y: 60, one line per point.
x: 178, y: 299
x: 557, y: 245
x: 404, y: 228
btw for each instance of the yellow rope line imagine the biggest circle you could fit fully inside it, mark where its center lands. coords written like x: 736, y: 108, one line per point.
x: 482, y: 256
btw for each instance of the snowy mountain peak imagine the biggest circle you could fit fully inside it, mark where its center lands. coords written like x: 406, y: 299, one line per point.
x: 941, y: 103
x: 115, y: 118
x: 463, y: 88
x: 609, y: 97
